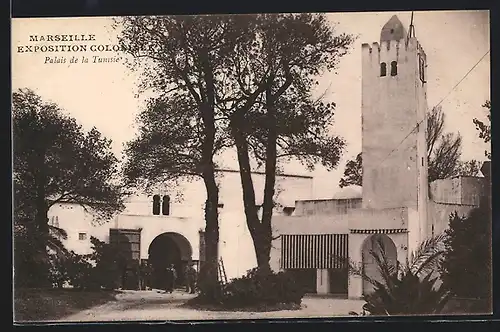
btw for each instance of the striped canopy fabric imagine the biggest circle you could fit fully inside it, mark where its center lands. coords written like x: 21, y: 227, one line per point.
x: 314, y: 251
x: 379, y: 231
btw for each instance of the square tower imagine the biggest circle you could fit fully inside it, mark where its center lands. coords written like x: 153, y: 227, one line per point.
x: 394, y: 108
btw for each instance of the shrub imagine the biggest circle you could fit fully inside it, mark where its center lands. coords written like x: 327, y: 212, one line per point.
x: 410, y: 289
x: 58, y: 271
x: 109, y: 263
x: 81, y: 272
x: 467, y: 265
x: 98, y: 270
x: 259, y: 288
x: 407, y: 294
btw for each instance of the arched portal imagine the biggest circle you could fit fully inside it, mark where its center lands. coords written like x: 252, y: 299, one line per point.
x: 376, y: 245
x: 165, y: 250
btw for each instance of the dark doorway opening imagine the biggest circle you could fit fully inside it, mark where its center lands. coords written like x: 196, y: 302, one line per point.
x: 127, y: 243
x: 338, y: 281
x: 168, y: 249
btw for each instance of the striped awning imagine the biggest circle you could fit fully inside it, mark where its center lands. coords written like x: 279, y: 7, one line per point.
x: 379, y: 231
x: 314, y: 251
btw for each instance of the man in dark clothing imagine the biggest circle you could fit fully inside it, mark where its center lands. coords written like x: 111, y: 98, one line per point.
x: 170, y: 279
x: 190, y: 278
x: 147, y: 276
x: 144, y: 276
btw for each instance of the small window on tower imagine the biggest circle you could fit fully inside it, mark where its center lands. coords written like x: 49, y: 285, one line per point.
x: 421, y: 65
x: 394, y: 68
x: 165, y: 206
x: 82, y: 236
x: 383, y: 69
x: 156, y: 205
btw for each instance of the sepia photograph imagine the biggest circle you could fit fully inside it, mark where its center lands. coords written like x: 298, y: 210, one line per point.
x: 251, y: 166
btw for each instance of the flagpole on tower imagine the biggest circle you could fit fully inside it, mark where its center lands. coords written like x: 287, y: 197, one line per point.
x: 411, y: 29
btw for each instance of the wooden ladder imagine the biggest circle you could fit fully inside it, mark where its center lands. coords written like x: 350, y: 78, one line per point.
x: 222, y: 272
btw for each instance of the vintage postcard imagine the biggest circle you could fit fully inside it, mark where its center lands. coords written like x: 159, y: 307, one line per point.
x: 251, y: 166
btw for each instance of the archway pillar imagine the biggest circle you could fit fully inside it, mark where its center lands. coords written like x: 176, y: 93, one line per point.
x: 355, y: 283
x: 322, y: 281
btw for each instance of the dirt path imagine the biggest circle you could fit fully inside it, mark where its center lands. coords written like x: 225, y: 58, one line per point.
x: 151, y: 305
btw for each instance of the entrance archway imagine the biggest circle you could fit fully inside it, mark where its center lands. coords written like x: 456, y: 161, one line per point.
x: 377, y: 244
x: 166, y: 249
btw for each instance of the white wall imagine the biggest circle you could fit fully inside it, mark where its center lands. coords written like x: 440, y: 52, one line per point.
x: 73, y: 219
x: 187, y: 217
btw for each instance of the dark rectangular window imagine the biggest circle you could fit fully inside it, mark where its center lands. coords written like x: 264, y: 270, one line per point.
x: 82, y: 236
x: 421, y: 65
x: 165, y: 206
x: 394, y: 68
x: 383, y: 69
x: 156, y: 205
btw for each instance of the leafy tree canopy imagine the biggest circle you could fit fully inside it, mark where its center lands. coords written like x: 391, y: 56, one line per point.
x: 484, y: 128
x: 55, y: 161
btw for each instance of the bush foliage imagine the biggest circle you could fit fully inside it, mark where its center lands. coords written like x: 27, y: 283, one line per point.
x: 467, y: 266
x: 99, y: 270
x: 259, y: 288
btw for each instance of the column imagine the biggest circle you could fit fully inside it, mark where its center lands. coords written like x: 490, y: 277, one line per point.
x: 322, y: 281
x: 355, y: 286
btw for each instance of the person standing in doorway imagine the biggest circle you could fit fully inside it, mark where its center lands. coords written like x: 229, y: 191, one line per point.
x: 174, y: 278
x: 190, y: 278
x: 147, y: 276
x: 170, y: 279
x: 142, y: 276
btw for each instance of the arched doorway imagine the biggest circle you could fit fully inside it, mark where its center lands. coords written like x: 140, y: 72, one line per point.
x: 166, y: 249
x: 377, y: 244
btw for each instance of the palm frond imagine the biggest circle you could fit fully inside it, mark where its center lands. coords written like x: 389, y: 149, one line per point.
x: 357, y: 270
x: 58, y: 232
x: 427, y: 254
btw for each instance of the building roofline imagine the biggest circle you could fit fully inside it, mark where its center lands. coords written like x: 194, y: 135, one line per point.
x: 329, y: 199
x: 228, y: 170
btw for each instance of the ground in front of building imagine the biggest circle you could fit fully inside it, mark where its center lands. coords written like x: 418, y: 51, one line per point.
x: 154, y: 305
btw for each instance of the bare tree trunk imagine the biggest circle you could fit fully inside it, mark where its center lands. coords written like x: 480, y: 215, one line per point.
x: 252, y: 218
x: 270, y: 182
x: 209, y: 271
x: 41, y: 235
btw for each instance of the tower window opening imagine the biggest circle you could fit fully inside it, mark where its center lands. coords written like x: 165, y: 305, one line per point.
x: 156, y: 205
x: 421, y: 66
x: 383, y: 69
x: 165, y: 206
x: 394, y: 68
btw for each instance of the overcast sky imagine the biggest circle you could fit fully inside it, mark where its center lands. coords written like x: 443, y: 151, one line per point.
x: 103, y: 95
